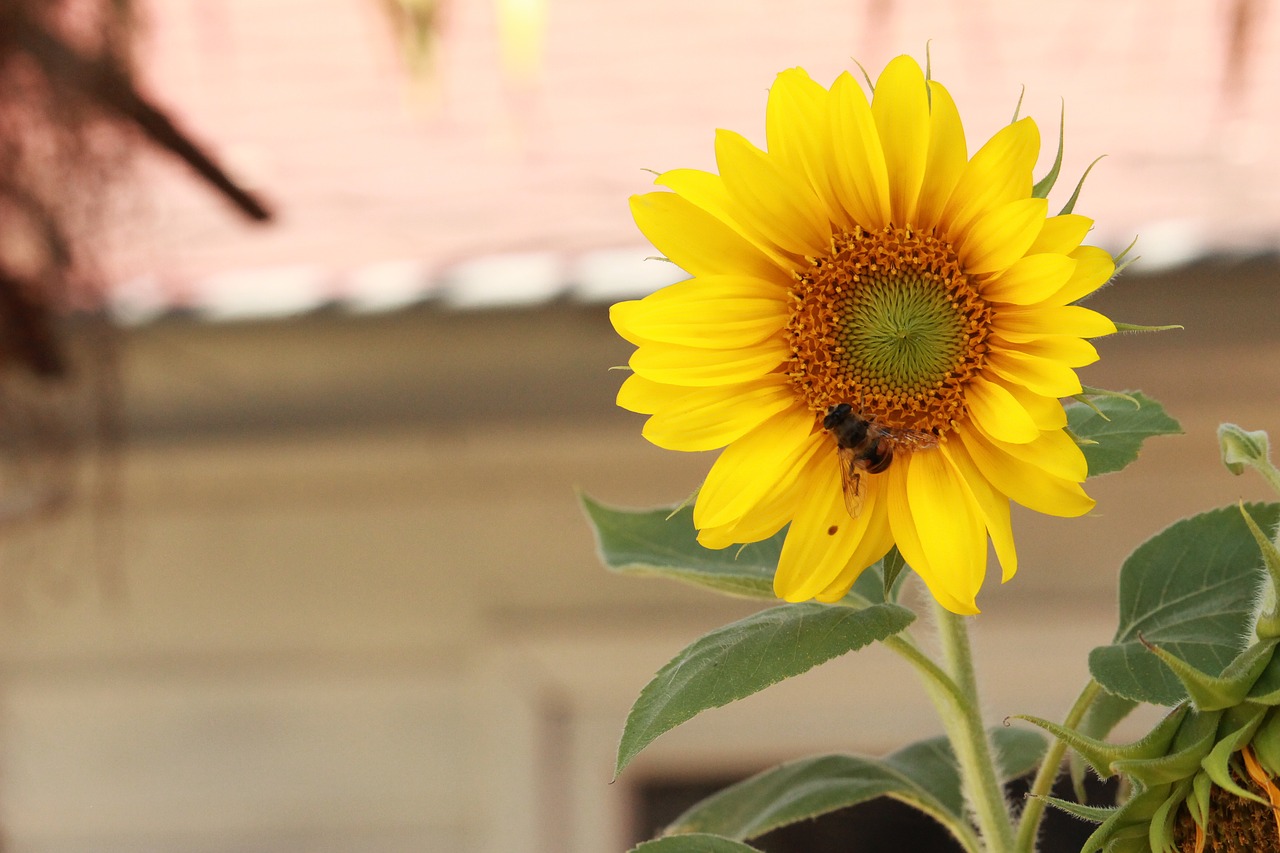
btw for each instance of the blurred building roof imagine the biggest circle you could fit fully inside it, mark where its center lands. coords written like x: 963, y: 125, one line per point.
x: 475, y: 186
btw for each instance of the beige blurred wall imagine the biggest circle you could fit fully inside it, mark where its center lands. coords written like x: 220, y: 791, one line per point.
x: 358, y: 608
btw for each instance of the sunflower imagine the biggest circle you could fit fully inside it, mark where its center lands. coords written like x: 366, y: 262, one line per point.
x: 864, y: 275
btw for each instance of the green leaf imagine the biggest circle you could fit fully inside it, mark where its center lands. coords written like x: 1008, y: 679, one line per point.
x: 1190, y: 590
x: 1118, y: 427
x: 891, y: 568
x: 922, y: 775
x: 747, y: 656
x: 664, y: 542
x: 700, y: 843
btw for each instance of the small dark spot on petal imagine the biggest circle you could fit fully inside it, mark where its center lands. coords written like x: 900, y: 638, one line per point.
x: 833, y: 529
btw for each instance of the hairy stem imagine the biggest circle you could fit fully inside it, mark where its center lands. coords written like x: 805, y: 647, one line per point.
x: 1029, y: 823
x: 978, y: 773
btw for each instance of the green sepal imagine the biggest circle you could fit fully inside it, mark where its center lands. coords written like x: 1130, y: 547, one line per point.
x: 1093, y: 814
x: 1198, y: 801
x: 1017, y: 108
x: 1217, y: 764
x: 1129, y: 822
x: 1134, y: 327
x: 1160, y: 832
x: 1105, y: 712
x: 1123, y: 260
x: 1075, y: 195
x: 1085, y: 396
x: 1214, y: 693
x: 1266, y: 745
x: 1194, y: 740
x: 1092, y: 391
x: 1045, y: 185
x: 1101, y: 755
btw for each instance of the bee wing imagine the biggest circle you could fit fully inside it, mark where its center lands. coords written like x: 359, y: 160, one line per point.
x: 850, y: 481
x: 915, y: 440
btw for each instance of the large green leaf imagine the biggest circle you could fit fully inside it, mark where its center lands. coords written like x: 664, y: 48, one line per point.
x: 1118, y: 427
x: 700, y: 843
x: 922, y: 775
x: 747, y: 656
x: 1190, y: 590
x: 664, y: 542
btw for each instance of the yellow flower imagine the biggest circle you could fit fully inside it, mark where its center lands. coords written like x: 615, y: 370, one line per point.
x: 866, y: 260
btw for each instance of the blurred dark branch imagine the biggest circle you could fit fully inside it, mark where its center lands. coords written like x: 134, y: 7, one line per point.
x: 108, y: 84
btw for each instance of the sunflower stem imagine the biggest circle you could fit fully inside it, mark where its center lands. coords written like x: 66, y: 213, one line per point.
x: 978, y: 774
x: 1029, y: 823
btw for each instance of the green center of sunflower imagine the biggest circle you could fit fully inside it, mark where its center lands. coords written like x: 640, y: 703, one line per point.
x: 888, y: 323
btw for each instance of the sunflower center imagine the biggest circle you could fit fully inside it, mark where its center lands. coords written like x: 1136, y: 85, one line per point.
x: 888, y: 323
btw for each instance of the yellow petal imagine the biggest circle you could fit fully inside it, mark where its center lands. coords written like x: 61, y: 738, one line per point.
x: 765, y: 458
x: 1071, y: 351
x: 772, y: 199
x: 796, y: 130
x: 993, y: 506
x: 856, y: 159
x: 1002, y: 236
x: 680, y: 365
x: 776, y: 507
x: 1030, y: 280
x: 999, y: 412
x: 707, y: 191
x: 1061, y: 234
x: 723, y: 312
x: 1020, y: 323
x: 696, y: 241
x: 619, y: 312
x: 822, y: 536
x: 1023, y: 480
x: 900, y: 107
x: 874, y: 544
x: 946, y: 529
x: 1055, y: 452
x: 1045, y: 411
x: 947, y: 156
x: 1042, y: 375
x: 1094, y: 268
x: 708, y: 418
x: 645, y: 396
x: 999, y: 173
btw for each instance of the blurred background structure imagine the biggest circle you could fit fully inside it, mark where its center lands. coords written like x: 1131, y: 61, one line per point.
x: 337, y: 594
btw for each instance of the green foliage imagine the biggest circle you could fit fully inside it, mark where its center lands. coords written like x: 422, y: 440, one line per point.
x: 747, y: 656
x: 700, y: 843
x: 1190, y: 590
x: 664, y: 542
x: 923, y: 775
x: 1112, y: 428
